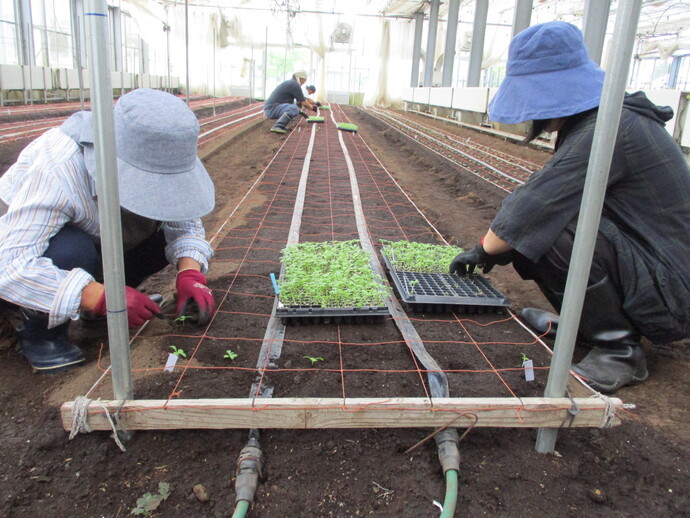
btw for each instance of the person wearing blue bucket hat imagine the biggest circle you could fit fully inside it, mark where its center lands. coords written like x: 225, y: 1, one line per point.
x: 50, y: 259
x: 639, y: 282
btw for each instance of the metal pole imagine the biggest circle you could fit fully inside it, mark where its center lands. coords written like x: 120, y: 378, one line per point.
x: 417, y: 48
x: 478, y: 36
x: 523, y: 15
x: 78, y: 53
x: 590, y: 210
x: 451, y: 39
x: 186, y: 46
x: 96, y: 17
x: 594, y: 23
x: 431, y: 44
x: 213, y: 90
x: 166, y: 28
x: 265, y: 63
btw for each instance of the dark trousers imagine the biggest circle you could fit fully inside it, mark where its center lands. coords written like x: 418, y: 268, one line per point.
x: 551, y: 271
x: 73, y: 248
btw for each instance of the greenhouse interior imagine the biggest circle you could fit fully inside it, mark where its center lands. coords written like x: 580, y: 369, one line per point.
x: 391, y: 258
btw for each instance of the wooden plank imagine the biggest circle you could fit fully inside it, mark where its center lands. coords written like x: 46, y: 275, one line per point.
x: 318, y: 413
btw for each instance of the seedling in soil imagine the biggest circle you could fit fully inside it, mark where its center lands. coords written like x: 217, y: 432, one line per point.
x: 524, y: 358
x: 230, y: 355
x: 181, y: 319
x: 178, y: 352
x: 148, y: 503
x: 412, y: 285
x: 314, y: 359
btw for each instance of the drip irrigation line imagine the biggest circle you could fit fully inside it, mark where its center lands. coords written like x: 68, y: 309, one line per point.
x: 502, y: 176
x: 529, y: 168
x: 438, y: 382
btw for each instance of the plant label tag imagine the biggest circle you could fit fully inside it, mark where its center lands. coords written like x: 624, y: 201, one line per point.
x: 529, y: 370
x: 170, y: 364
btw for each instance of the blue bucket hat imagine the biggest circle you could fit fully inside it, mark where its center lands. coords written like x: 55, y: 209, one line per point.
x: 311, y: 89
x: 549, y: 75
x: 160, y: 176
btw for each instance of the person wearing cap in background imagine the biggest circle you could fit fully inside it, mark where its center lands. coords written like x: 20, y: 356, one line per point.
x: 639, y: 282
x: 281, y: 106
x: 311, y: 90
x: 50, y: 261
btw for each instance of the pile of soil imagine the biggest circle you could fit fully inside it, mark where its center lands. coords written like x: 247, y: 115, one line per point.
x: 637, y: 469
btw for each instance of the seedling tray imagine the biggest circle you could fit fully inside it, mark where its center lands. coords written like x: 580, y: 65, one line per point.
x: 346, y: 126
x: 443, y: 292
x: 315, y: 118
x: 322, y: 315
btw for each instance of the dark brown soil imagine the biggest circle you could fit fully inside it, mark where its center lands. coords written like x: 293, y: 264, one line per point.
x: 637, y: 469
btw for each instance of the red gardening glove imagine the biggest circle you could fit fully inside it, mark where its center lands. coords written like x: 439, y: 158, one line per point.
x: 140, y: 307
x: 195, y: 296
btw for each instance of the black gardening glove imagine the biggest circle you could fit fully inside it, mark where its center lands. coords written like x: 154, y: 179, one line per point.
x: 315, y: 108
x: 303, y: 113
x: 318, y: 103
x: 465, y: 262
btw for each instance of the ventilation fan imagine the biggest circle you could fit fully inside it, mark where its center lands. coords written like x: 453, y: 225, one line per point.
x: 342, y: 33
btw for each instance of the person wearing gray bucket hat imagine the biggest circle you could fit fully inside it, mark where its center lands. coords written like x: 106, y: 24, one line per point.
x: 639, y: 282
x: 281, y: 106
x: 50, y: 256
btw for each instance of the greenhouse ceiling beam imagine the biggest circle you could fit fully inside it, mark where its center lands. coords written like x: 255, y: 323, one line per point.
x: 417, y: 48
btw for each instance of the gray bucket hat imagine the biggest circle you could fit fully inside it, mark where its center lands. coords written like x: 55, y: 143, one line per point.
x: 160, y: 176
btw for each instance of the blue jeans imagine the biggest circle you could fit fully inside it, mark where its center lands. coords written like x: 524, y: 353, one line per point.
x: 274, y: 111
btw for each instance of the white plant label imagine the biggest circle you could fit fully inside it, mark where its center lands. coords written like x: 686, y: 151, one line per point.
x: 170, y: 364
x: 529, y: 370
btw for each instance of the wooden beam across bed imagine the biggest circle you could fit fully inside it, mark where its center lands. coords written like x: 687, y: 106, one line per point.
x: 320, y: 413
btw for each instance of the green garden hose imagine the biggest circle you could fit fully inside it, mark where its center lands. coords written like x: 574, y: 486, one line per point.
x: 451, y: 494
x: 241, y: 509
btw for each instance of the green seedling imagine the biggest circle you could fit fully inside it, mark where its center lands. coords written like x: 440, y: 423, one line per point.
x: 524, y: 358
x: 148, y: 503
x: 230, y: 355
x: 406, y: 256
x: 412, y: 285
x: 334, y: 274
x: 179, y: 352
x: 182, y: 318
x: 314, y: 359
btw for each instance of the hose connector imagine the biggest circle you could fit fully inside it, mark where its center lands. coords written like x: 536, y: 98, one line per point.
x: 250, y: 465
x: 447, y: 442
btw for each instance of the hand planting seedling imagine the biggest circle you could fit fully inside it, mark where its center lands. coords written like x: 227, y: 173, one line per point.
x: 314, y: 359
x: 334, y: 274
x: 178, y: 352
x: 230, y: 355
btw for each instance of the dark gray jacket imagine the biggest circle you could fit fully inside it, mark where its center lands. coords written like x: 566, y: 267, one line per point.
x: 646, y: 213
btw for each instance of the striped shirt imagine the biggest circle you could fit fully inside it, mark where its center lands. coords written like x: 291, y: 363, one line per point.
x: 47, y: 188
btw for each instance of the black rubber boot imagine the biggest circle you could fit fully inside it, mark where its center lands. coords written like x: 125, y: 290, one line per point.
x: 544, y: 322
x: 281, y: 124
x: 617, y: 358
x: 48, y: 350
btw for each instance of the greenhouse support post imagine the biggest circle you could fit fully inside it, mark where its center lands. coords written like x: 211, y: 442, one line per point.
x: 605, y: 131
x: 96, y: 18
